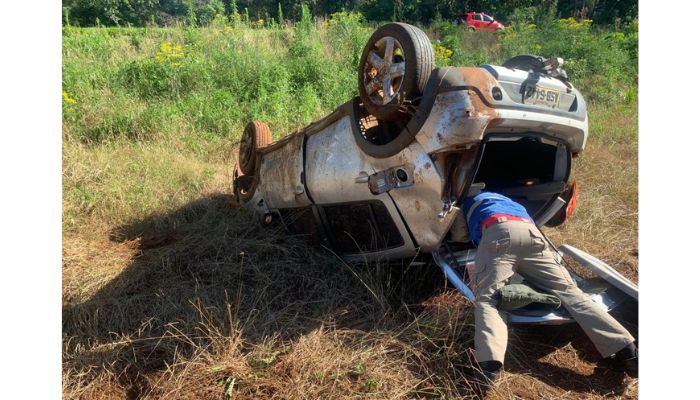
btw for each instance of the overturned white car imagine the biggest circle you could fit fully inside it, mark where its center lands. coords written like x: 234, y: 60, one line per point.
x: 384, y: 174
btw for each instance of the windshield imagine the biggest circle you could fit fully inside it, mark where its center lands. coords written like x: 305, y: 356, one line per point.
x: 487, y: 18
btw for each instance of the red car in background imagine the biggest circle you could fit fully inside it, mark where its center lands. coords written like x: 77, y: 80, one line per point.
x: 479, y: 22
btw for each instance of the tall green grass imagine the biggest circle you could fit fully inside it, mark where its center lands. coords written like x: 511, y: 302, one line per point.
x: 144, y: 83
x: 165, y: 105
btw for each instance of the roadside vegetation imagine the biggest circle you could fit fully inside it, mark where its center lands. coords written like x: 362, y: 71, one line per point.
x: 171, y: 291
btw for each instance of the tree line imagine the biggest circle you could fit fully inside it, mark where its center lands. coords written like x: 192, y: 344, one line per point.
x: 202, y: 12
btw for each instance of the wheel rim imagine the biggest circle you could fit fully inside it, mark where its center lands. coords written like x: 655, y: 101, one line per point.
x: 384, y: 70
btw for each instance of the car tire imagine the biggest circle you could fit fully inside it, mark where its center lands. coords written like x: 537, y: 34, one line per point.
x: 255, y: 136
x: 472, y: 29
x: 410, y: 127
x: 398, y: 58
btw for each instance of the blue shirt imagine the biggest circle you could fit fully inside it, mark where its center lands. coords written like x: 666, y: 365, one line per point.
x: 486, y: 204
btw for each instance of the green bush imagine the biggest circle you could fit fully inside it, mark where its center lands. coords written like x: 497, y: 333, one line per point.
x: 601, y: 62
x: 597, y: 62
x: 455, y: 45
x: 347, y: 35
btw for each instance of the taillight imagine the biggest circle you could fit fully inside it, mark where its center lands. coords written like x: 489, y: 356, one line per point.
x: 572, y: 201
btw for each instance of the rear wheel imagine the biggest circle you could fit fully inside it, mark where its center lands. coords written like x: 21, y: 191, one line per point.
x: 255, y: 136
x: 394, y: 69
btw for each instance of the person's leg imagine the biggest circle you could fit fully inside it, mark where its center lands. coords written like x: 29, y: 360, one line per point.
x: 494, y: 265
x: 540, y: 268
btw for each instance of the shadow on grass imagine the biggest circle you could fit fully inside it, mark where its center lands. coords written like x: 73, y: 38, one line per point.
x: 209, y: 271
x: 210, y: 265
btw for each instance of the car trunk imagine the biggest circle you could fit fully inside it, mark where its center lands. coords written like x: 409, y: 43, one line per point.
x: 527, y: 168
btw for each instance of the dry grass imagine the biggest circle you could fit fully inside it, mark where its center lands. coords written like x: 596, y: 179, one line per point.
x: 170, y: 291
x: 606, y: 221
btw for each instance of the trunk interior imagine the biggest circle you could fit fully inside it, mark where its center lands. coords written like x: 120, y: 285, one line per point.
x: 528, y: 169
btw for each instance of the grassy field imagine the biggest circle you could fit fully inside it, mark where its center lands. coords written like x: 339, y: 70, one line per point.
x: 171, y: 291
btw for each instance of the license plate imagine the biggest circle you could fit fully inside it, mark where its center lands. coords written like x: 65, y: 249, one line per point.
x: 540, y: 96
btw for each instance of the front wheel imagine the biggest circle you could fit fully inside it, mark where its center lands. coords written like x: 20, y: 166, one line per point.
x: 394, y: 68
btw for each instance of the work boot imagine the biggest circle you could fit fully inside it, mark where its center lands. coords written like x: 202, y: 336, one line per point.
x: 485, y: 375
x: 628, y: 357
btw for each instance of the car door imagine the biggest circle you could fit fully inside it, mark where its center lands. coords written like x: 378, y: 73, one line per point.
x: 488, y: 23
x: 360, y: 225
x: 476, y: 18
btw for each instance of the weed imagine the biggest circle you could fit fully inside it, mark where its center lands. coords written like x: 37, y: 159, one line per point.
x: 358, y: 369
x: 371, y: 385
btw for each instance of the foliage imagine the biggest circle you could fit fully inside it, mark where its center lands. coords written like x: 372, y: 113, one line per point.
x: 443, y: 55
x: 145, y: 83
x: 166, y: 12
x: 348, y: 33
x: 280, y: 14
x: 142, y: 83
x: 602, y: 64
x: 601, y: 11
x: 465, y: 48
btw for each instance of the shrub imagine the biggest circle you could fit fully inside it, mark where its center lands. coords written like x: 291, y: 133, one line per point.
x: 595, y: 62
x: 150, y: 78
x: 347, y: 34
x: 311, y: 66
x: 456, y: 46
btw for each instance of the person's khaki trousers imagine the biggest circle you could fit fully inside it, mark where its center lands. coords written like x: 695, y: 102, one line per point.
x: 513, y: 246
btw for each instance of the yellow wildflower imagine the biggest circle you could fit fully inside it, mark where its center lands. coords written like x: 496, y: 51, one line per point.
x: 67, y: 98
x: 170, y: 54
x: 443, y: 55
x: 572, y: 23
